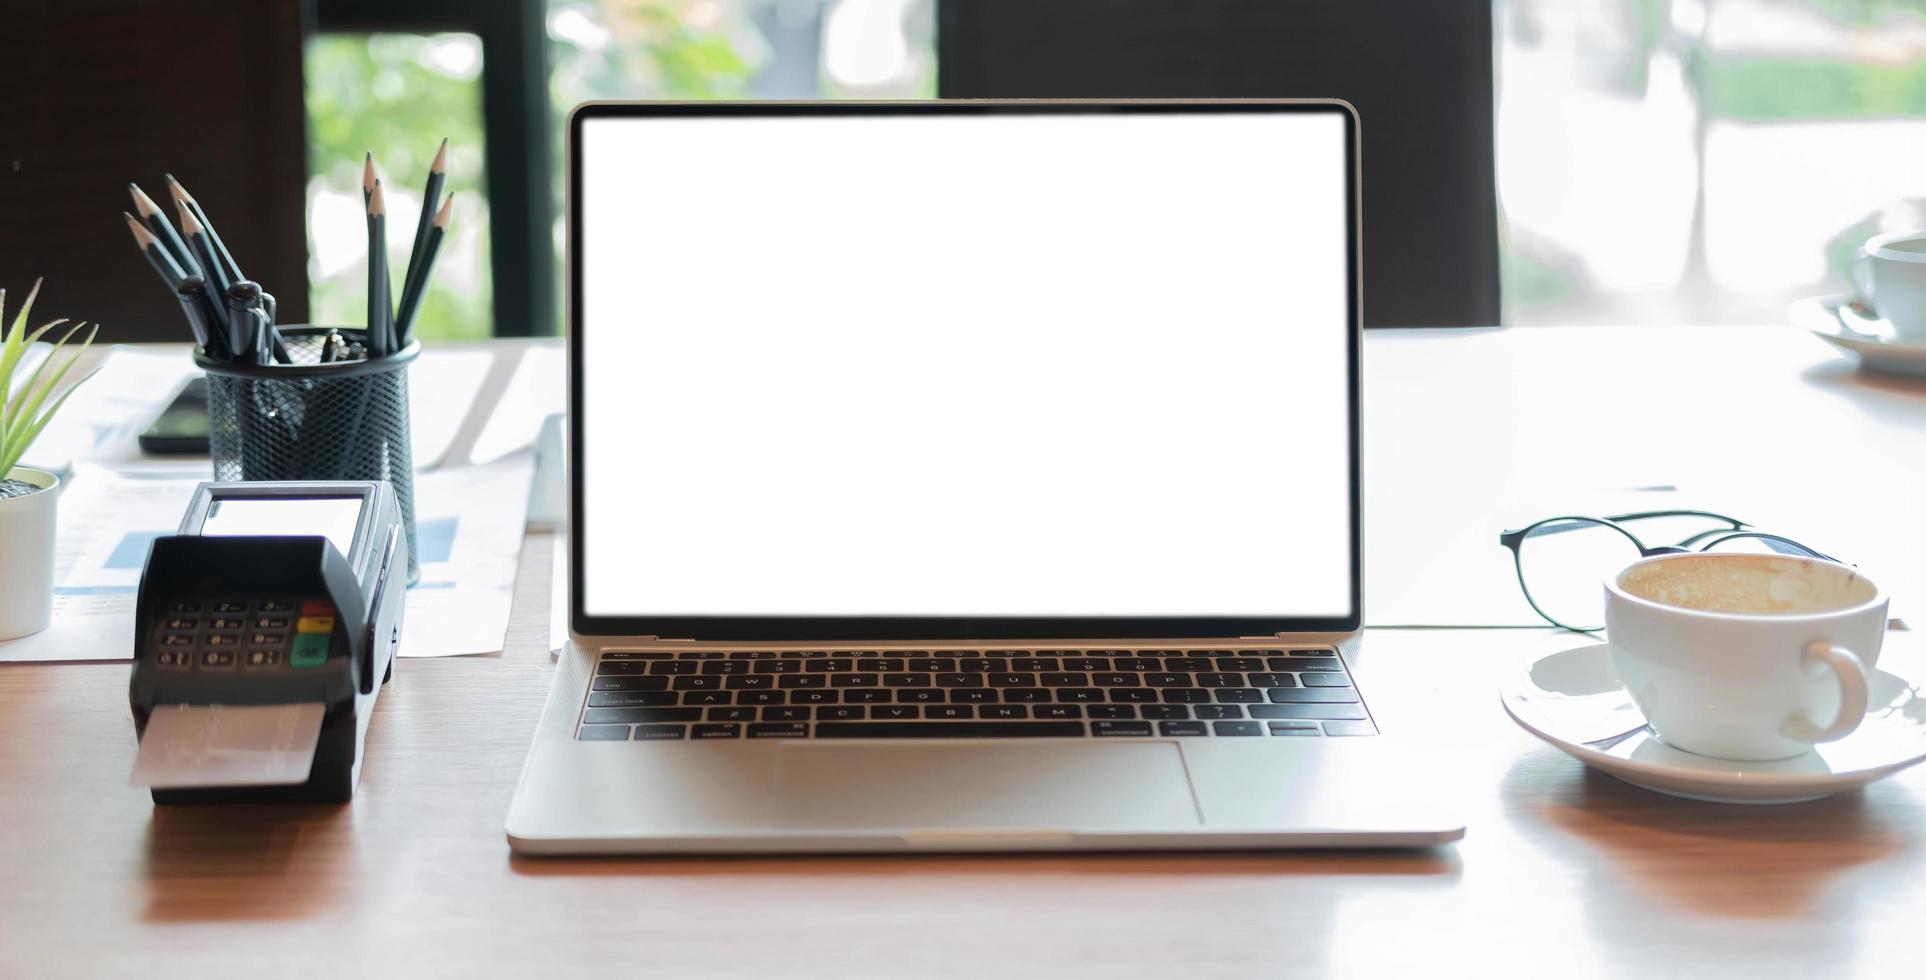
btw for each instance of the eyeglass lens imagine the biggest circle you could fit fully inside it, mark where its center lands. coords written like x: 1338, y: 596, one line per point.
x: 1563, y: 566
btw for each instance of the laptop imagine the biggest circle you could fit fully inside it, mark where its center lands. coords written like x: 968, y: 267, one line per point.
x: 961, y: 476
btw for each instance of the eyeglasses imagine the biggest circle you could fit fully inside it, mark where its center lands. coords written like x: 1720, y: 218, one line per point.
x: 1563, y: 561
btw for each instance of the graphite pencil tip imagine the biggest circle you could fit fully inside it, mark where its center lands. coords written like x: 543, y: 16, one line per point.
x: 142, y: 236
x: 180, y: 193
x: 143, y: 205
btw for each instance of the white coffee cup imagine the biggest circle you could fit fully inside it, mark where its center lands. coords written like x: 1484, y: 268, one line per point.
x: 1891, y: 272
x: 1743, y: 656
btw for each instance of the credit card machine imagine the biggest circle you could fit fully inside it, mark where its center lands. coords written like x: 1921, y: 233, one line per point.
x: 271, y: 594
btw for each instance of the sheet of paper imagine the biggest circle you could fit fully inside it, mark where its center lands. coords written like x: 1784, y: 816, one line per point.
x: 468, y: 535
x: 191, y: 746
x: 535, y: 392
x: 103, y: 419
x: 548, y: 502
x: 106, y: 522
x: 443, y: 385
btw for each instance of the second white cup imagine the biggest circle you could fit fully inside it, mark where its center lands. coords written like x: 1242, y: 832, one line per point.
x: 1892, y: 275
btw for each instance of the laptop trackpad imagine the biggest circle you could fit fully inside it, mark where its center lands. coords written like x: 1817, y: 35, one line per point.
x: 1055, y: 786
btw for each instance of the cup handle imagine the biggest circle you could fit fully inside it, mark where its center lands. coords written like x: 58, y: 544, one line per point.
x: 1845, y: 665
x: 1861, y: 275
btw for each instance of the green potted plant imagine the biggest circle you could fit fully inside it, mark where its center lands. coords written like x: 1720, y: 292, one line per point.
x: 27, y: 495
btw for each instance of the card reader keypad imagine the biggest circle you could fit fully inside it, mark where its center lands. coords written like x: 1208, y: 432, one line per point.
x: 705, y: 694
x: 234, y: 635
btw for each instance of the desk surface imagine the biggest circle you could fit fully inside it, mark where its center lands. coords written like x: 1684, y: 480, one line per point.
x: 1563, y: 870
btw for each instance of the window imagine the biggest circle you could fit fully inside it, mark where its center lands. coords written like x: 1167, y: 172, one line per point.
x: 1658, y: 161
x: 1701, y: 161
x: 397, y: 93
x: 734, y: 49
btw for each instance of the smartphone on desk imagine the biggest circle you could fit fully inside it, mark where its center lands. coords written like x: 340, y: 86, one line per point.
x: 181, y: 428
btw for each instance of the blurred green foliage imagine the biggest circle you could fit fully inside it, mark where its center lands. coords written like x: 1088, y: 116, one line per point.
x: 383, y: 93
x: 1771, y: 89
x: 1529, y: 281
x: 653, y: 51
x: 1861, y: 13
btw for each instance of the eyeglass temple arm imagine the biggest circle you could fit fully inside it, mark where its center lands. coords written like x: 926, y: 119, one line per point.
x: 1511, y: 539
x: 1643, y: 514
x: 1772, y: 541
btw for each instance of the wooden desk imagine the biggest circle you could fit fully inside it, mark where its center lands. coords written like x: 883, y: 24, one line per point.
x: 1564, y: 872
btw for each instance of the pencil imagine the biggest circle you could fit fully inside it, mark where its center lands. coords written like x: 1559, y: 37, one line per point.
x: 156, y: 222
x: 202, y: 247
x: 217, y: 279
x: 186, y: 203
x: 437, y: 175
x: 367, y: 177
x: 418, y: 284
x: 169, y: 270
x: 380, y: 320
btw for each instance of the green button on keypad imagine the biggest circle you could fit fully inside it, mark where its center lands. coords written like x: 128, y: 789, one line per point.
x: 310, y: 649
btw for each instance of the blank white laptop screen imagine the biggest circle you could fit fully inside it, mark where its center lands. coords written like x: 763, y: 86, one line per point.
x: 946, y: 364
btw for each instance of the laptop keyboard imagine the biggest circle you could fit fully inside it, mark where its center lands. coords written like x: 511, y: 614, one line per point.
x: 711, y: 694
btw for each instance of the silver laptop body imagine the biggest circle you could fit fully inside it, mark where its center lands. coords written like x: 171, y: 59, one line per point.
x: 966, y: 476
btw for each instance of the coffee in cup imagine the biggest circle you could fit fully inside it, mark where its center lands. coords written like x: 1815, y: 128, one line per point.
x: 1891, y: 272
x: 1742, y: 656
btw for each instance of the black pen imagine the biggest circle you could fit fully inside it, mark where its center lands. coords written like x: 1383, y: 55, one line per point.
x: 189, y: 292
x: 243, y: 325
x: 276, y: 345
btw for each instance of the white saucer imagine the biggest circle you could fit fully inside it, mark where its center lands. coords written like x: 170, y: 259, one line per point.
x: 1836, y: 321
x: 1574, y: 700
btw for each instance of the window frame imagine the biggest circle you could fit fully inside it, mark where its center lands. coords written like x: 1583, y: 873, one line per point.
x: 515, y: 124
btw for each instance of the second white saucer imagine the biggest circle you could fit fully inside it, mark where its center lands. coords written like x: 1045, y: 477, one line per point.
x: 1574, y: 701
x: 1833, y: 320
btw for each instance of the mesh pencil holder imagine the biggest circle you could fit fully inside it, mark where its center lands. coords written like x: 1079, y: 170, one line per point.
x: 307, y: 420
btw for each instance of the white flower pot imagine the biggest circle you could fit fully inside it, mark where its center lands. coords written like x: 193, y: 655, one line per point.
x: 27, y: 555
